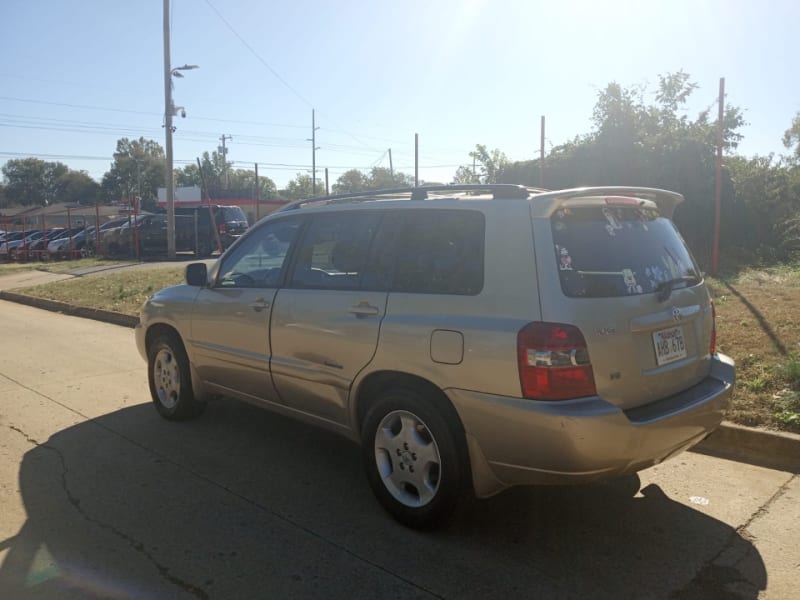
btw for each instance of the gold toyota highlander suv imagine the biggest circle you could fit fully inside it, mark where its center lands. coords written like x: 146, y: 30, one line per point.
x: 477, y: 337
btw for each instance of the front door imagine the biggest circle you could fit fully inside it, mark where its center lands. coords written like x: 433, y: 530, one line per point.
x: 230, y: 320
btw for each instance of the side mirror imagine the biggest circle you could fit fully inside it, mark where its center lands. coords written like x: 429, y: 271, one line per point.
x: 197, y: 274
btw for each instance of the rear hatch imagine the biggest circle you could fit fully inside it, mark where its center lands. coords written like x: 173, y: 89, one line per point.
x: 233, y: 219
x: 623, y: 275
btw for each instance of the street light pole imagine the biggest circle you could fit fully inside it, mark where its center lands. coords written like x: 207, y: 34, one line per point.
x: 168, y: 112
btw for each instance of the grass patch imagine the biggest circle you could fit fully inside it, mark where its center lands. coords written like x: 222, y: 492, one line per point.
x: 122, y: 291
x: 757, y: 324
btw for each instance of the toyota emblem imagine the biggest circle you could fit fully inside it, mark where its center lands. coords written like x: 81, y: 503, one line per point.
x: 676, y: 314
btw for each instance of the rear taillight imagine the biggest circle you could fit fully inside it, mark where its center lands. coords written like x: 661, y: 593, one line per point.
x: 222, y: 228
x: 713, y: 347
x: 554, y: 362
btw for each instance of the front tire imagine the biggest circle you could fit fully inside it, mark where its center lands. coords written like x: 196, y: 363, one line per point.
x: 411, y: 455
x: 170, y: 380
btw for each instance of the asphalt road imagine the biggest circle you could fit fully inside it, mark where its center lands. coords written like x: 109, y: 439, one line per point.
x: 100, y: 498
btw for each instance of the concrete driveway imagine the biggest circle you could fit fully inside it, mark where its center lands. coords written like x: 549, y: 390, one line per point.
x: 100, y: 498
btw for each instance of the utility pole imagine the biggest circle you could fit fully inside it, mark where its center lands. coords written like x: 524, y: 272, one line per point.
x: 541, y: 156
x: 416, y: 160
x: 391, y: 165
x: 168, y: 111
x: 718, y: 187
x: 224, y: 152
x: 327, y: 189
x: 314, y: 149
x: 139, y: 182
x: 258, y: 197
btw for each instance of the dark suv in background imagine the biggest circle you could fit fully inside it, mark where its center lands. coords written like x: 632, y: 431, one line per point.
x: 194, y: 231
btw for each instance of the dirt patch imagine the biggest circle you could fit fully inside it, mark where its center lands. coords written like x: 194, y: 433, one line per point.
x: 758, y: 324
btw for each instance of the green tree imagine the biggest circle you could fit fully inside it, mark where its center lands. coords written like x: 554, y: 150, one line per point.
x: 792, y: 136
x: 491, y: 163
x: 379, y: 178
x: 138, y: 164
x: 299, y: 188
x: 351, y: 181
x: 243, y: 183
x: 655, y: 144
x: 32, y: 182
x: 213, y: 166
x: 78, y: 188
x: 383, y: 178
x: 465, y: 174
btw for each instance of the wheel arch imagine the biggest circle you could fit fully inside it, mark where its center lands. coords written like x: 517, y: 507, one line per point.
x: 373, y: 384
x: 159, y: 329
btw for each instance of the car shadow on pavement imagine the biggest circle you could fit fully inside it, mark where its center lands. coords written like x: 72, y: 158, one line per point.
x: 243, y: 503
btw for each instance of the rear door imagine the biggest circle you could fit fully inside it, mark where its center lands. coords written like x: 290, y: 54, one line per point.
x: 621, y: 272
x: 326, y: 319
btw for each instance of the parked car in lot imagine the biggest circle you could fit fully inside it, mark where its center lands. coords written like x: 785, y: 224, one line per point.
x: 15, y: 248
x: 475, y: 337
x: 34, y: 247
x: 81, y: 242
x: 8, y: 241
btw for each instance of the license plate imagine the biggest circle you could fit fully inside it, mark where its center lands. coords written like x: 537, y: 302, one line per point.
x: 669, y: 345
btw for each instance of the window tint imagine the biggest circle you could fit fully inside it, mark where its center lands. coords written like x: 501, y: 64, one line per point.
x: 259, y: 259
x: 440, y: 252
x: 233, y: 213
x: 619, y: 251
x: 334, y: 251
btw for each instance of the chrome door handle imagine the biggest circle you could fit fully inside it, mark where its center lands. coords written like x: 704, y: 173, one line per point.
x: 364, y: 309
x: 259, y: 305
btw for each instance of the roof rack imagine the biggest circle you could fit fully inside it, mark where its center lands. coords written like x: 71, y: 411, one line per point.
x: 499, y: 191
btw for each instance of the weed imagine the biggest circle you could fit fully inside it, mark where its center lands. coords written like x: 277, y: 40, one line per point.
x: 791, y: 371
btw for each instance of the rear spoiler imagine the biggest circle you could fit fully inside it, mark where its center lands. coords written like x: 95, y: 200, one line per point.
x: 664, y: 199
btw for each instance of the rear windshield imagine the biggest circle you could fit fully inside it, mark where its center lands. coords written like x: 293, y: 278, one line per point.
x: 608, y: 251
x: 233, y: 213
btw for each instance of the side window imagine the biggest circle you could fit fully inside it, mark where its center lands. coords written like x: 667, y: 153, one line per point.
x: 258, y: 261
x: 334, y: 251
x: 440, y: 252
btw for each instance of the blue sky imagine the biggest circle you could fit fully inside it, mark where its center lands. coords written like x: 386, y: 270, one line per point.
x: 76, y: 76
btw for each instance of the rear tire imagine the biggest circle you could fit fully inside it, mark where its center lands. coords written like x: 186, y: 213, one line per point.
x: 170, y: 380
x: 411, y: 456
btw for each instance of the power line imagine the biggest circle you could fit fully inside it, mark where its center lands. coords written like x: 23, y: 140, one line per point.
x: 140, y: 112
x: 258, y: 56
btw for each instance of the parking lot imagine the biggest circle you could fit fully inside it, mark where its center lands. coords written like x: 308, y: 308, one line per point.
x: 102, y: 498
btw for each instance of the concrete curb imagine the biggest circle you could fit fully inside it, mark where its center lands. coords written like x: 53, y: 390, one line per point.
x: 771, y: 449
x: 97, y: 314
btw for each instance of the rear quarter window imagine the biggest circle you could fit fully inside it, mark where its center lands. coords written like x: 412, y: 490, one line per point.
x: 439, y: 252
x: 609, y: 251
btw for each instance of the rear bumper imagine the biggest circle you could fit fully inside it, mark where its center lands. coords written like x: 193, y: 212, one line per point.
x: 513, y: 441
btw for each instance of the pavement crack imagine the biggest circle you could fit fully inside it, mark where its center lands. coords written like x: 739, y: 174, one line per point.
x: 720, y: 576
x: 137, y: 545
x: 764, y: 508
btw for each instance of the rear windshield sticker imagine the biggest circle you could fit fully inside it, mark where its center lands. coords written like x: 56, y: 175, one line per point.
x: 564, y: 259
x: 630, y: 282
x: 613, y: 225
x: 563, y: 212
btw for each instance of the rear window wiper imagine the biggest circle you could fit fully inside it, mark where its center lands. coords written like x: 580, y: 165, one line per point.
x: 664, y: 289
